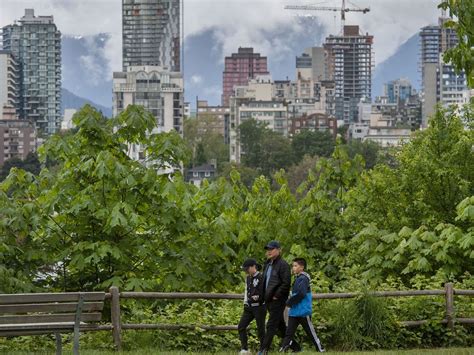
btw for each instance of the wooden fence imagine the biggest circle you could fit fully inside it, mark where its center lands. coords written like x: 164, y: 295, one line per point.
x: 117, y: 326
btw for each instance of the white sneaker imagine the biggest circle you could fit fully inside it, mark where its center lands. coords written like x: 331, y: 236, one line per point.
x: 243, y: 351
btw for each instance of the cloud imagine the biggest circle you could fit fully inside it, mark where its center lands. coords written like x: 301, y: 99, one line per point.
x: 196, y: 79
x: 240, y: 22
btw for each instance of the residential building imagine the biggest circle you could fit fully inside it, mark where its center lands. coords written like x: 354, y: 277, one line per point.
x: 219, y: 113
x: 453, y: 89
x: 398, y: 90
x: 349, y: 63
x: 17, y: 137
x: 197, y: 174
x: 35, y: 43
x: 434, y: 41
x: 312, y: 64
x: 158, y: 90
x: 313, y: 122
x: 388, y: 136
x: 9, y: 81
x: 239, y: 68
x: 151, y: 34
x: 272, y: 113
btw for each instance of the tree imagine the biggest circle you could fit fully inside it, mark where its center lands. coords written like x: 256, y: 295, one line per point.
x: 462, y: 55
x: 368, y: 150
x: 102, y: 219
x: 276, y: 153
x: 30, y: 164
x: 251, y: 138
x: 312, y: 143
x: 263, y: 149
x: 433, y: 174
x: 298, y: 173
x: 204, y: 142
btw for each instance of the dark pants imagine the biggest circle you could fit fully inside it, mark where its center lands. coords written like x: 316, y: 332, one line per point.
x: 248, y: 315
x: 276, y: 325
x: 308, y: 327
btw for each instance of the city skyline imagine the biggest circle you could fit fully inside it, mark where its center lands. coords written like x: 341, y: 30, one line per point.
x: 236, y: 24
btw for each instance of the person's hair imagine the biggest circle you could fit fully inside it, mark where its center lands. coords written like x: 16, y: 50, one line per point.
x: 300, y: 261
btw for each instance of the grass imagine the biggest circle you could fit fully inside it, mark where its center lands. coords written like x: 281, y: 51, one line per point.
x: 450, y: 351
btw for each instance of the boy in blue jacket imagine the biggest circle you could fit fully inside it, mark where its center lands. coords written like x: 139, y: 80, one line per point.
x: 300, y: 304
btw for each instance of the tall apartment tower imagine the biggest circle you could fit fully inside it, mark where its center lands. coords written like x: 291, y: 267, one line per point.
x: 9, y: 81
x: 35, y: 43
x: 349, y: 64
x: 151, y: 33
x: 239, y: 68
x: 434, y: 41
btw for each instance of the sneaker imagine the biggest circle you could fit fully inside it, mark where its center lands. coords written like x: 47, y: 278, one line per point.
x: 244, y: 351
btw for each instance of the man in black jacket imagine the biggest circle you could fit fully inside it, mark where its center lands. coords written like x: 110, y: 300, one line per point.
x: 277, y: 282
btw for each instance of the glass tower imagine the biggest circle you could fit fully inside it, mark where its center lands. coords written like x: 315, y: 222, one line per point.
x: 35, y: 43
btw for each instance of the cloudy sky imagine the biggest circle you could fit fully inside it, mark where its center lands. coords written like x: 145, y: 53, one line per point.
x: 240, y: 22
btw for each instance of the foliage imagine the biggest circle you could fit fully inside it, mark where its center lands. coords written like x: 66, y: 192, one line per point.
x: 433, y: 174
x: 102, y: 219
x: 263, y: 148
x: 298, y: 174
x: 462, y: 55
x: 368, y: 150
x: 312, y: 143
x: 30, y: 164
x: 204, y: 140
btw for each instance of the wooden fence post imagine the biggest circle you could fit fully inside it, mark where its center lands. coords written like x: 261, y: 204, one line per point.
x: 449, y: 289
x: 115, y: 316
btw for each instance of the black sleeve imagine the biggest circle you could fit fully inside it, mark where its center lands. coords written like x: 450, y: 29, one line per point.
x: 261, y: 288
x: 285, y: 276
x: 300, y: 290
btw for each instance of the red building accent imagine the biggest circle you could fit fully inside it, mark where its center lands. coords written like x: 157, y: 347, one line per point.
x: 239, y: 68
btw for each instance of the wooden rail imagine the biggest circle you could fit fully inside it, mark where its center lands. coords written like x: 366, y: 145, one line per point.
x: 449, y: 292
x: 115, y: 296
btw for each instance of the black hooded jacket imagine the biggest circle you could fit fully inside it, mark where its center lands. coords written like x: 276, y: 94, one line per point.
x: 280, y: 280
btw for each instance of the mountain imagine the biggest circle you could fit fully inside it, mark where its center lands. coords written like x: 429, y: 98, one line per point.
x: 69, y: 100
x: 402, y: 64
x: 85, y: 69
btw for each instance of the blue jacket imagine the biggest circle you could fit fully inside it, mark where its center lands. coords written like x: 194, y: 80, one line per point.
x: 300, y: 302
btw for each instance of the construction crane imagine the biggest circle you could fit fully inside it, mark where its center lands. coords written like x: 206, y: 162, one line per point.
x: 343, y: 9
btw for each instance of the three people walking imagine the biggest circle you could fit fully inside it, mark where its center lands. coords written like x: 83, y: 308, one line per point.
x: 268, y: 292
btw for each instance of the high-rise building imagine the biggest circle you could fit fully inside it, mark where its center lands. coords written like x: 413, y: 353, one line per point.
x: 35, y: 43
x: 239, y: 68
x: 434, y: 40
x: 151, y: 33
x: 349, y: 63
x: 9, y: 81
x: 312, y: 63
x: 398, y: 90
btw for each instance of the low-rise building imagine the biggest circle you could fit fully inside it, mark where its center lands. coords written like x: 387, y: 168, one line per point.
x: 17, y: 137
x: 197, y: 174
x: 388, y: 136
x: 314, y: 122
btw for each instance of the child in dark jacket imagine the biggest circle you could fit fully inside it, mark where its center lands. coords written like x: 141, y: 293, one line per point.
x: 254, y: 304
x: 300, y: 304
